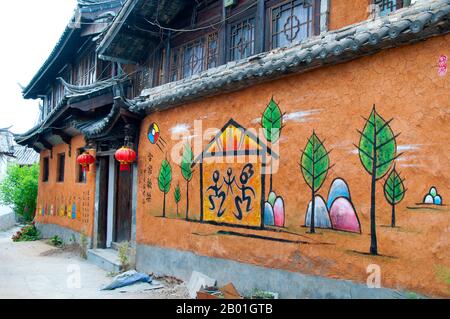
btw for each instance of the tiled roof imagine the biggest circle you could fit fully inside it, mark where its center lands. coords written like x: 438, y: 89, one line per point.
x: 422, y: 20
x: 73, y: 94
x: 120, y: 42
x: 93, y: 127
x: 20, y: 154
x: 6, y: 142
x: 25, y: 155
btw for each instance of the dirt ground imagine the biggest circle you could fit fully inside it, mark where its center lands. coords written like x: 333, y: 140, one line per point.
x: 36, y: 270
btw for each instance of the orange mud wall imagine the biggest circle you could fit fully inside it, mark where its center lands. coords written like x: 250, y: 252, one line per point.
x: 347, y: 12
x: 404, y: 84
x: 58, y: 201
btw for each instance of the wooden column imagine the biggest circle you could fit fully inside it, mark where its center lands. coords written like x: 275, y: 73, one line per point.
x: 260, y: 32
x: 167, y: 62
x: 223, y: 37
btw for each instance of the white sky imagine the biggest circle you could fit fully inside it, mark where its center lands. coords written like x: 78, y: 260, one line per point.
x: 29, y: 29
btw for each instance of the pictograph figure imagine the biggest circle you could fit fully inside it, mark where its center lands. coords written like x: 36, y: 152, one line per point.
x: 218, y: 193
x: 247, y: 173
x: 231, y: 179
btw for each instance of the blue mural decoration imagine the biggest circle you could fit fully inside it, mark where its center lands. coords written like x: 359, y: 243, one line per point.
x: 433, y: 197
x: 339, y: 188
x: 74, y: 211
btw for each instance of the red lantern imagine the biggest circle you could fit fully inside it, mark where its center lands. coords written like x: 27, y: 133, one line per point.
x: 125, y: 156
x: 85, y: 160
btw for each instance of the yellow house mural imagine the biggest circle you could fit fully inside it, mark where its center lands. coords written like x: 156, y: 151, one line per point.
x: 233, y: 177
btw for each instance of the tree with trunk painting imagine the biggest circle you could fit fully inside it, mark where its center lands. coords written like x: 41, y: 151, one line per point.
x: 394, y: 191
x: 377, y: 151
x: 315, y: 164
x: 272, y: 123
x: 177, y: 197
x: 187, y: 172
x: 164, y: 181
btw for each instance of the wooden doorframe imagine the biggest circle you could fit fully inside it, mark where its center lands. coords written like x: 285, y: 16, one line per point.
x: 101, y: 205
x: 123, y: 212
x: 111, y: 201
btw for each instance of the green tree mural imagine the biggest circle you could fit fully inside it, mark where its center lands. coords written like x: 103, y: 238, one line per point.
x: 377, y: 151
x: 187, y: 172
x: 394, y: 191
x: 177, y: 197
x: 315, y: 164
x: 272, y: 123
x: 164, y: 181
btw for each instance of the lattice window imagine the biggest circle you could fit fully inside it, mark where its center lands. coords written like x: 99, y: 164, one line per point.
x: 242, y: 39
x: 388, y: 6
x: 291, y: 21
x: 194, y: 57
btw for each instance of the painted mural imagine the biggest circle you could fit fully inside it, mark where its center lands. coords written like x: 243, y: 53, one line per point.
x: 233, y: 190
x: 74, y: 210
x: 234, y: 176
x: 377, y: 152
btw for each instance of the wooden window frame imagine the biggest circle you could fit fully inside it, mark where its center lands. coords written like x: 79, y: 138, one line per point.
x: 85, y: 68
x: 61, y: 169
x: 386, y: 7
x: 272, y: 5
x: 161, y: 67
x: 229, y: 38
x: 177, y: 67
x: 81, y: 176
x: 45, y: 169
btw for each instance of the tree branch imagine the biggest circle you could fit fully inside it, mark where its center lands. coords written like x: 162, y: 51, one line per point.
x: 321, y: 158
x: 365, y: 136
x: 307, y: 171
x: 384, y: 125
x: 388, y: 141
x: 388, y: 161
x: 364, y: 152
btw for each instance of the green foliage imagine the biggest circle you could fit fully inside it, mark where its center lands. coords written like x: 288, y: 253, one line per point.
x: 165, y: 177
x: 57, y: 241
x: 19, y: 189
x: 394, y: 189
x: 124, y: 255
x: 272, y: 122
x: 186, y: 163
x: 261, y: 294
x: 377, y: 146
x: 27, y: 233
x: 177, y: 194
x: 315, y: 163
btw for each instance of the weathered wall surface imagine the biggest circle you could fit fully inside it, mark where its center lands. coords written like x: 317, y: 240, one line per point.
x: 404, y: 85
x: 69, y: 204
x: 347, y: 12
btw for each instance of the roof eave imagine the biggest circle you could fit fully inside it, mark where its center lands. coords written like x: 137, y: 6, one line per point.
x: 28, y: 90
x: 114, y: 29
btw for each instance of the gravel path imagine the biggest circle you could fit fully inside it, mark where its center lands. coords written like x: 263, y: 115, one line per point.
x: 37, y: 270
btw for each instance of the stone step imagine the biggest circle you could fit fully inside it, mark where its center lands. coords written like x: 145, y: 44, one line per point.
x: 107, y: 259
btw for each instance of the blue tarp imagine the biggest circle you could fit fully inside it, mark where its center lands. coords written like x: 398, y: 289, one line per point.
x: 127, y: 279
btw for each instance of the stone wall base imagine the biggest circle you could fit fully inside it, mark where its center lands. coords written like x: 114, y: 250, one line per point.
x: 246, y: 277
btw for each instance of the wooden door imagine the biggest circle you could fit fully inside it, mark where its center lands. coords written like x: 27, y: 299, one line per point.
x: 123, y: 205
x: 103, y: 201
